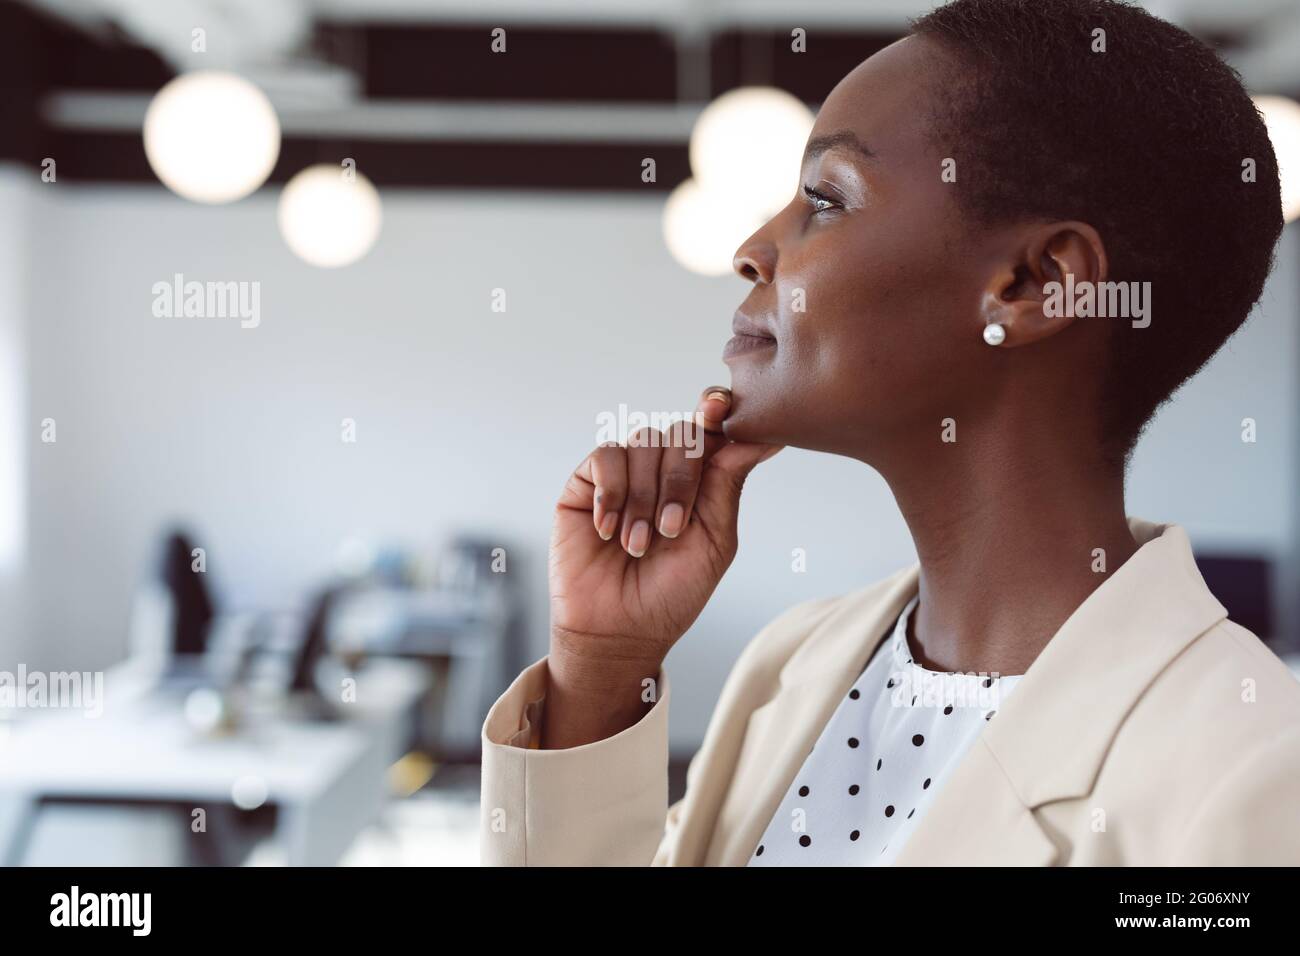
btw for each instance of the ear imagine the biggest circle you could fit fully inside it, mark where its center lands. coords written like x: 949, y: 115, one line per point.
x: 1033, y: 275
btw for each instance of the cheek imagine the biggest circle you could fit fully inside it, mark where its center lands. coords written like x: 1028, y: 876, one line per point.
x: 825, y: 281
x: 837, y: 305
x: 879, y: 326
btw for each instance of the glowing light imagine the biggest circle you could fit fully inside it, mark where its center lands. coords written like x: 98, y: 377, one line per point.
x: 748, y: 144
x: 1282, y: 117
x: 211, y: 136
x: 703, y: 229
x: 330, y: 215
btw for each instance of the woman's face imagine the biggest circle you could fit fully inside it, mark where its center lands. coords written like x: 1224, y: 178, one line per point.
x: 867, y: 283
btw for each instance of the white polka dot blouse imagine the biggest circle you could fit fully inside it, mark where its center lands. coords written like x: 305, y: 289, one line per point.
x: 888, y: 748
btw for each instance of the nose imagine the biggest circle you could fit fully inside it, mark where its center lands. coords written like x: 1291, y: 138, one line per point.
x: 755, y: 260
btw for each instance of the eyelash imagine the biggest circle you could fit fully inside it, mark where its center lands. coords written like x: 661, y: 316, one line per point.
x: 815, y: 197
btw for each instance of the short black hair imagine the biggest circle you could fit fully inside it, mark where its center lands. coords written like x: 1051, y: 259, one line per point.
x: 1146, y: 142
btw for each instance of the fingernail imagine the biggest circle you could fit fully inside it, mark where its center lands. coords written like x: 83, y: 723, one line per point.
x: 607, y: 525
x: 719, y: 397
x: 670, y: 520
x: 639, y: 539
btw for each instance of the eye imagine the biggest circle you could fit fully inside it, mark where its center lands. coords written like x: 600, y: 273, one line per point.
x: 820, y: 202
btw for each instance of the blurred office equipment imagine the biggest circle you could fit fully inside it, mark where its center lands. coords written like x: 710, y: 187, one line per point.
x: 192, y: 609
x: 312, y: 646
x: 174, y: 608
x: 237, y: 728
x: 466, y: 625
x: 313, y: 784
x: 453, y: 611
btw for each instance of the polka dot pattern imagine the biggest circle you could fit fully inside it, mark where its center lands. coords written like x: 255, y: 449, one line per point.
x: 880, y: 761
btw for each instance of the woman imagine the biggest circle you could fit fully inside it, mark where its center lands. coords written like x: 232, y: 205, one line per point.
x: 1101, y: 708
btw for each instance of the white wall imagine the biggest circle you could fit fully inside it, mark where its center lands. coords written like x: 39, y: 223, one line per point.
x: 466, y: 418
x: 16, y: 187
x: 1193, y: 466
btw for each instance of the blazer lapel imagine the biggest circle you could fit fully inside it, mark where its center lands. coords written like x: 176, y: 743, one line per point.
x: 978, y: 819
x: 1047, y: 741
x: 1050, y: 737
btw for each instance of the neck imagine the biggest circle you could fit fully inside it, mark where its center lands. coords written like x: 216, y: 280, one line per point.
x: 1009, y: 544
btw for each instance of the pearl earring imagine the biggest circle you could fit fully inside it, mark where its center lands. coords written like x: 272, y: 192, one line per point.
x: 995, y: 334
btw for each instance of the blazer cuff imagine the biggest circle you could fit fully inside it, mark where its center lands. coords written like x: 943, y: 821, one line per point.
x: 603, y: 803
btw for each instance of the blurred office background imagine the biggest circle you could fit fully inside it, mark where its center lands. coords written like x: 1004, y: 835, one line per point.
x: 365, y: 479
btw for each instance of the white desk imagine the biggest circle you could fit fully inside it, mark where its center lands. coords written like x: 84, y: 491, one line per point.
x: 326, y: 780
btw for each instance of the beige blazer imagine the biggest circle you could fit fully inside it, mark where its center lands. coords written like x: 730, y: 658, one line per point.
x: 1150, y: 731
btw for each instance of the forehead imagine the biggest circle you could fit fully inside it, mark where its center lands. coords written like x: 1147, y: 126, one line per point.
x: 886, y: 99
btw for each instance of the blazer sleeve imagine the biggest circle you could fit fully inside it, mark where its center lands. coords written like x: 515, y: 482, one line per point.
x: 601, y: 804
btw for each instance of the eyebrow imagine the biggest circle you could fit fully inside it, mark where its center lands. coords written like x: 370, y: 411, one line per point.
x: 840, y: 138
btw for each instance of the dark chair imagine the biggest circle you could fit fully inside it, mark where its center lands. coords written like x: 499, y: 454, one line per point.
x: 1243, y: 585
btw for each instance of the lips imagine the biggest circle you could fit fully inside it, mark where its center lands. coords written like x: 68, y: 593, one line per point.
x: 742, y: 324
x: 750, y: 336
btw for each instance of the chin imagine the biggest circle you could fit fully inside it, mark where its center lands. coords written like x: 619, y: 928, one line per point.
x: 736, y: 428
x: 752, y: 419
x: 774, y: 419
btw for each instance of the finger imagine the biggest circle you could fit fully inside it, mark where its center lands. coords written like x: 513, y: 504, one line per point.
x: 578, y: 488
x: 739, y: 458
x: 718, y: 500
x: 713, y: 408
x: 643, y: 453
x: 609, y: 475
x: 680, y: 467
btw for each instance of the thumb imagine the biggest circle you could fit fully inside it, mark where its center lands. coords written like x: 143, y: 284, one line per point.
x: 718, y: 504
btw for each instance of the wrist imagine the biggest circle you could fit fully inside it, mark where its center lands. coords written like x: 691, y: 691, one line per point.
x: 595, y: 697
x: 600, y: 663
